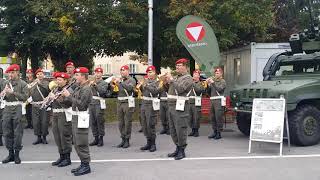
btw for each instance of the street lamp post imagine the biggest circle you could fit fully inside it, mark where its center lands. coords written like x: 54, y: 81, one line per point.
x: 150, y: 33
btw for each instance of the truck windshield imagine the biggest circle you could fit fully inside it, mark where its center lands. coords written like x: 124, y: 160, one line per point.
x: 297, y: 68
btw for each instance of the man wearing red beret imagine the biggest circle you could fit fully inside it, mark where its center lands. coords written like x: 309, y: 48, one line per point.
x: 2, y: 85
x: 40, y: 118
x: 97, y: 107
x: 195, y: 104
x: 216, y: 86
x: 70, y: 68
x: 61, y: 124
x: 29, y: 80
x: 150, y: 107
x: 179, y: 87
x: 125, y: 106
x: 81, y: 98
x: 15, y: 94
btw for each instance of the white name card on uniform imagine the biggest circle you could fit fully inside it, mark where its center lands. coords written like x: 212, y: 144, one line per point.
x: 197, y: 101
x: 103, y: 104
x: 131, y: 102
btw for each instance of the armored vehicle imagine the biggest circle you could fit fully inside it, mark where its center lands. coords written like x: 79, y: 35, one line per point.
x: 296, y: 76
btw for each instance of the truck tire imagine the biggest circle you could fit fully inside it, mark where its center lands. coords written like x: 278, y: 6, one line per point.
x: 304, y: 125
x: 244, y: 123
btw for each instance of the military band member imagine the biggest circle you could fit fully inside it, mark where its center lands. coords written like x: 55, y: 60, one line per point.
x: 179, y: 87
x: 164, y: 112
x: 29, y: 80
x: 40, y: 117
x: 61, y: 122
x: 15, y: 92
x: 216, y: 88
x: 2, y: 85
x: 125, y: 108
x: 150, y: 92
x: 81, y: 98
x: 195, y: 108
x: 97, y: 107
x: 70, y: 67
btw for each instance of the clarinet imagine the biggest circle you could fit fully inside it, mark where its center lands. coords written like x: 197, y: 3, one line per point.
x: 48, y: 101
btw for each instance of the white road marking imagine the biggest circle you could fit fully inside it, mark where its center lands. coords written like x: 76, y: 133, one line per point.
x: 187, y: 159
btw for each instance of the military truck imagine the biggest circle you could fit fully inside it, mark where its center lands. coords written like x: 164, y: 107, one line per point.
x: 296, y: 76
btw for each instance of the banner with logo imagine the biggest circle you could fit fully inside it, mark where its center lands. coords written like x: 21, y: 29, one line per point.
x: 199, y: 39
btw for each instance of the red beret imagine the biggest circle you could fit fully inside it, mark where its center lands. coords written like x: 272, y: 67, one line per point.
x: 39, y: 70
x: 81, y: 70
x: 29, y: 71
x: 125, y: 67
x: 182, y: 61
x: 218, y: 70
x: 13, y: 67
x: 62, y: 75
x: 99, y: 69
x: 70, y: 63
x: 197, y: 71
x: 150, y: 68
x: 54, y: 74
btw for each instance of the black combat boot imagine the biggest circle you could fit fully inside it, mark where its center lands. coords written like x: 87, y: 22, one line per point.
x: 153, y: 146
x: 163, y: 131
x: 76, y: 169
x: 84, y: 169
x: 213, y: 135
x: 196, y: 132
x: 140, y: 130
x: 191, y: 133
x: 17, y: 159
x: 95, y: 141
x: 1, y: 143
x: 126, y: 143
x: 168, y: 132
x: 38, y: 141
x: 174, y: 153
x: 181, y: 154
x: 100, y: 141
x: 218, y: 136
x: 66, y: 161
x: 9, y: 158
x: 147, y: 146
x: 58, y: 161
x: 121, y: 144
x: 44, y: 140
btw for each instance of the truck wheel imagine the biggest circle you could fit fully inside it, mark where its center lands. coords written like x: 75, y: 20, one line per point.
x: 304, y: 125
x: 244, y: 123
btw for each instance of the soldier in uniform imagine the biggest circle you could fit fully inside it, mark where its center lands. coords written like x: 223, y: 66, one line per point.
x: 126, y: 86
x: 81, y: 99
x: 216, y: 87
x: 70, y: 68
x: 40, y: 116
x: 195, y: 108
x: 61, y: 122
x: 15, y: 93
x: 2, y: 85
x: 179, y: 87
x: 164, y: 113
x: 30, y: 79
x: 97, y: 107
x: 150, y: 92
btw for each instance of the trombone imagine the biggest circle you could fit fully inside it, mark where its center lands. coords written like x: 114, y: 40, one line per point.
x: 30, y: 85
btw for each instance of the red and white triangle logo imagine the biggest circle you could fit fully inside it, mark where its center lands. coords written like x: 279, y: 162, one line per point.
x: 195, y: 32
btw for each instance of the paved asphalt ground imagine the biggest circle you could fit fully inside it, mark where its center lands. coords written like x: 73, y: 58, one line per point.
x: 207, y: 159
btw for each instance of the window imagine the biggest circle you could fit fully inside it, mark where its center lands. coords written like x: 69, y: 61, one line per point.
x: 133, y: 68
x: 237, y: 66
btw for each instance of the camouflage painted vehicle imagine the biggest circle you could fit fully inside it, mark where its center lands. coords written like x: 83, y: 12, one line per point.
x: 296, y: 76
